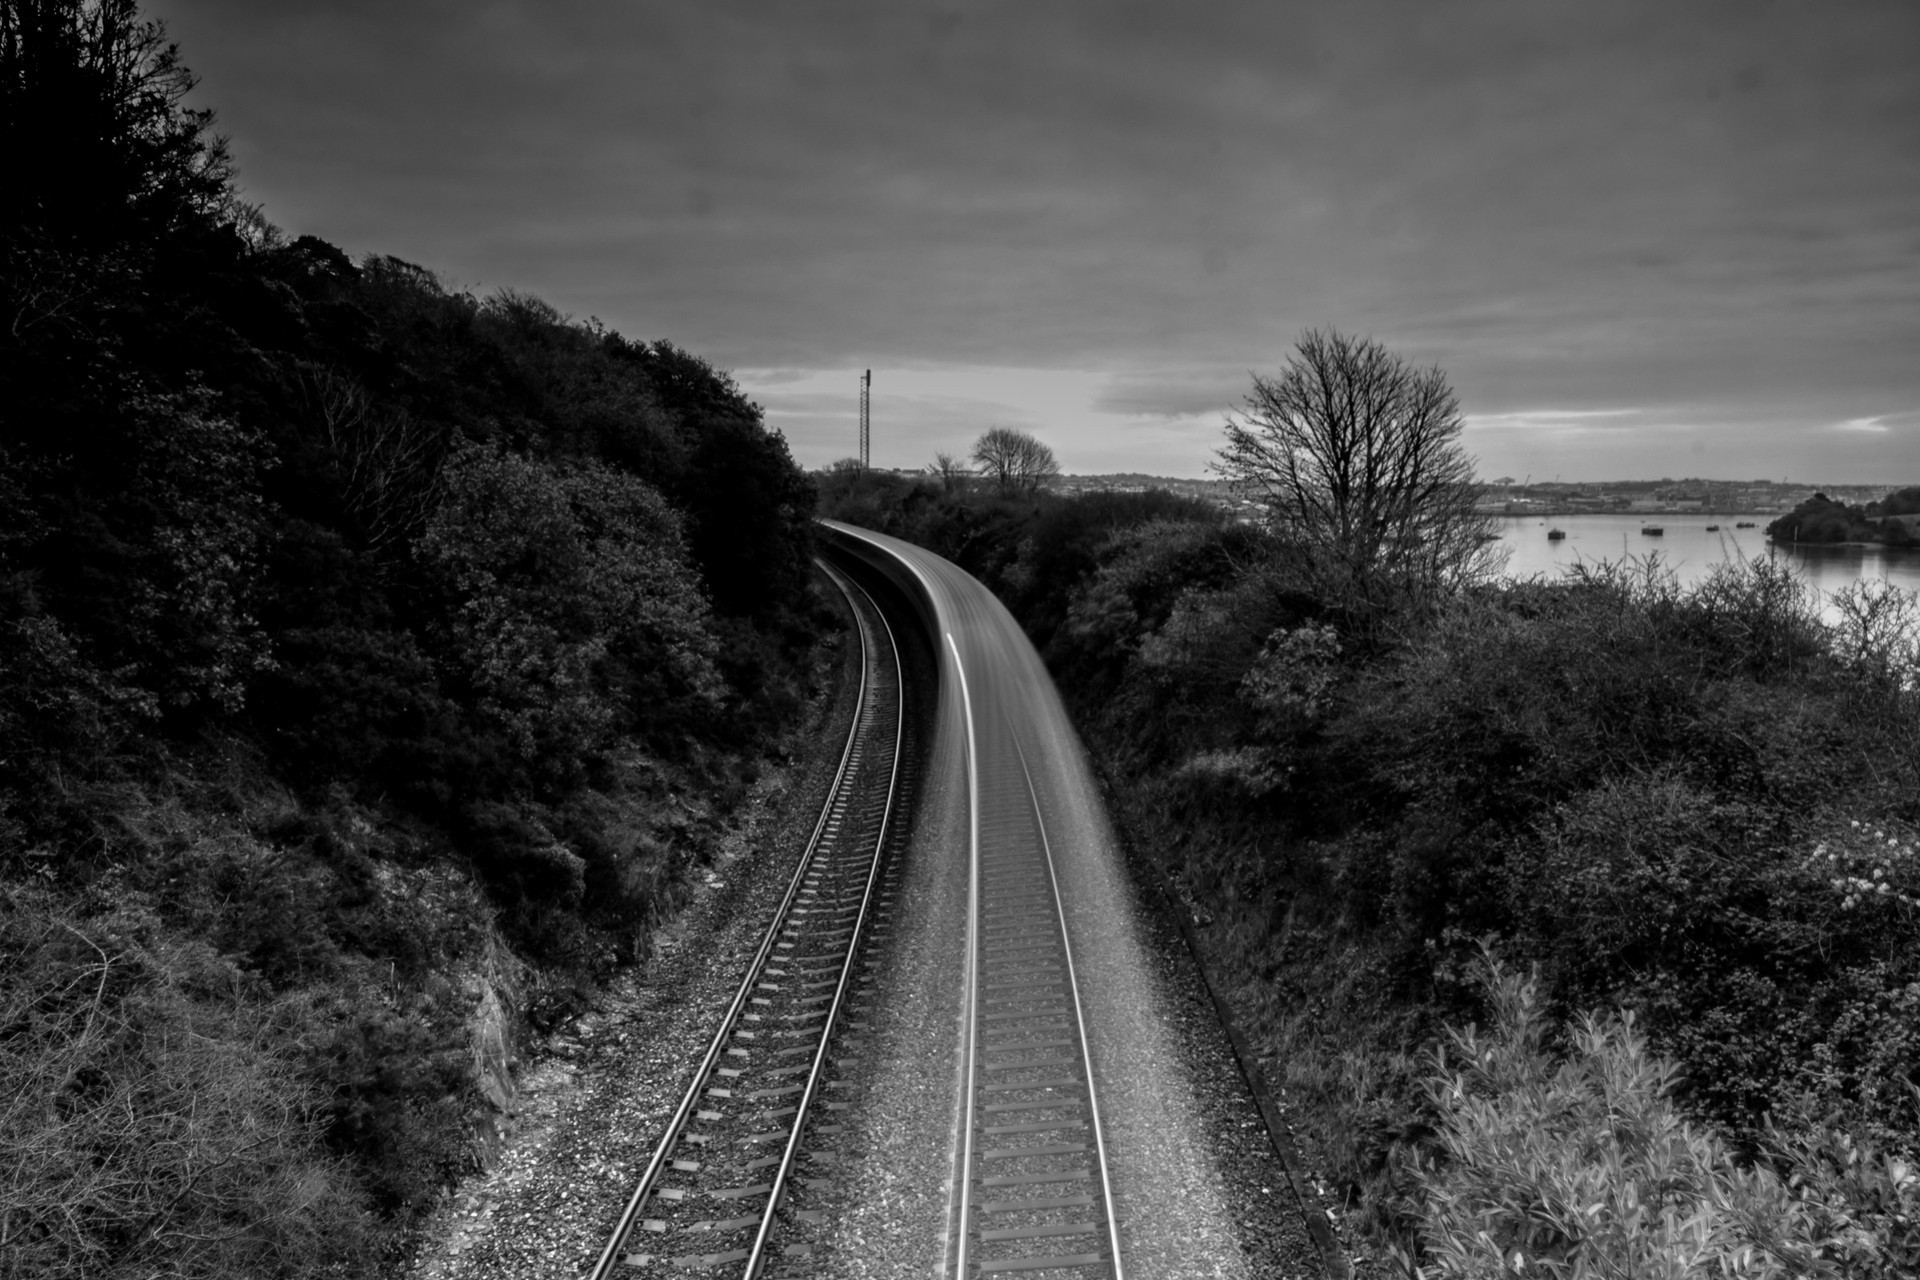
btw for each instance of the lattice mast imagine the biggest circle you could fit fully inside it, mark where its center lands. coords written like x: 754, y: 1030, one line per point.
x: 866, y: 427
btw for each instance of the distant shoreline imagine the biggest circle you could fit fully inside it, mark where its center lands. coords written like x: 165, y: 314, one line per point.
x: 1876, y: 546
x: 1760, y: 521
x: 1578, y: 511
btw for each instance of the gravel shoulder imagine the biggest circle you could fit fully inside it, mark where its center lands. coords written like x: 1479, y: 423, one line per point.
x: 1199, y: 1188
x: 595, y: 1096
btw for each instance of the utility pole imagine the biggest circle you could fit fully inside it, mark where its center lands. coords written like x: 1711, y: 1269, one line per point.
x: 866, y: 430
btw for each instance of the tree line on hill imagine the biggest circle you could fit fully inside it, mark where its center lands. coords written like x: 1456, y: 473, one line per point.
x: 1824, y: 519
x: 1577, y: 919
x: 370, y: 653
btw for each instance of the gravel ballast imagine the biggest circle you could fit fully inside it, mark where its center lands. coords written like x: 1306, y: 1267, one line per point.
x: 596, y: 1097
x: 1198, y: 1188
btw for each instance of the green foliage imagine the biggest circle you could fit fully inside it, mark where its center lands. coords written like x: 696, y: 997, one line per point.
x: 189, y: 634
x: 755, y: 568
x: 576, y: 617
x: 139, y: 567
x: 1675, y: 802
x: 102, y: 150
x: 1821, y: 519
x: 55, y: 707
x: 359, y: 632
x: 1582, y: 1165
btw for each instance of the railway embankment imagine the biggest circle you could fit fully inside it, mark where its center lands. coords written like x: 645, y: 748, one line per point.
x: 1687, y: 812
x: 378, y: 664
x: 595, y: 1094
x: 1090, y: 1057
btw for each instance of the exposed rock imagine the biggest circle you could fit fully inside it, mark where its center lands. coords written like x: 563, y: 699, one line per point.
x: 492, y: 1074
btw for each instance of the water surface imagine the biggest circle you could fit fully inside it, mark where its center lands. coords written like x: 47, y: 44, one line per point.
x: 1690, y: 550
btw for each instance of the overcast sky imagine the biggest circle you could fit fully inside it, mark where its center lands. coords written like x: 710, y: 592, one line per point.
x: 1670, y: 237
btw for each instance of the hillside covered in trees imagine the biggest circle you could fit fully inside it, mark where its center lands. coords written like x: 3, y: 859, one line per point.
x: 1822, y: 519
x: 371, y: 654
x: 1409, y: 817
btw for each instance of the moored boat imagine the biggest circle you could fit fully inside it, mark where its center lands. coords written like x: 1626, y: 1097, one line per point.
x: 1713, y: 528
x: 1652, y: 530
x: 1555, y: 535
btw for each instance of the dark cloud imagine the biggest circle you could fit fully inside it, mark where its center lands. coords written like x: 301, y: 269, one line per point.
x: 1567, y: 205
x: 1174, y: 393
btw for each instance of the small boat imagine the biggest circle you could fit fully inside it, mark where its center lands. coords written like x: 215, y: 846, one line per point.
x: 1556, y: 535
x: 1745, y: 524
x: 1713, y: 528
x: 1652, y: 530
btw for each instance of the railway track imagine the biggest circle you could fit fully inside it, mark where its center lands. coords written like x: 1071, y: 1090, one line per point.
x: 742, y: 1176
x: 742, y: 1181
x: 1032, y: 1192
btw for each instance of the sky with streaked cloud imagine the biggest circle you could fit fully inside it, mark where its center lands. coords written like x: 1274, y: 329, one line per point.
x: 1643, y: 237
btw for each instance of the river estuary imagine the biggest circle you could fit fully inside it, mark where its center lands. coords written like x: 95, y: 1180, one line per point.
x: 1690, y: 549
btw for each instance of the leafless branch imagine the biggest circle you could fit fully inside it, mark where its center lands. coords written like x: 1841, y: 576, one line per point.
x: 1354, y: 457
x: 389, y: 460
x: 1014, y: 460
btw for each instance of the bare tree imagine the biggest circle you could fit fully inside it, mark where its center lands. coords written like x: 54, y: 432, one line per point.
x: 1354, y: 456
x: 389, y: 461
x: 953, y: 472
x: 1876, y: 627
x: 1014, y: 460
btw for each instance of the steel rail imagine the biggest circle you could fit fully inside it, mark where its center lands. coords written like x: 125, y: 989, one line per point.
x: 963, y: 1262
x: 609, y: 1256
x: 756, y: 1259
x: 972, y: 1062
x: 1079, y: 1019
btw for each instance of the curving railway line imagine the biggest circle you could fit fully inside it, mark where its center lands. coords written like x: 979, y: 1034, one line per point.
x: 1023, y: 1098
x: 727, y: 1175
x: 1031, y: 1172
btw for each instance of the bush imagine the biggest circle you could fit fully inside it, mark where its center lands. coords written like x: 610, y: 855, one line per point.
x: 148, y: 1124
x: 574, y: 614
x: 1581, y: 1165
x: 322, y: 583
x: 1668, y: 798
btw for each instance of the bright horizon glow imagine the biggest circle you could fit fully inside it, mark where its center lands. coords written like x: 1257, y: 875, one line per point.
x: 917, y: 413
x: 1639, y: 238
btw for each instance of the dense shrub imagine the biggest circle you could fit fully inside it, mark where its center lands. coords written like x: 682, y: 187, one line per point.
x: 573, y: 613
x: 1581, y: 1164
x: 1821, y: 519
x: 153, y: 1121
x: 1678, y: 803
x: 370, y: 642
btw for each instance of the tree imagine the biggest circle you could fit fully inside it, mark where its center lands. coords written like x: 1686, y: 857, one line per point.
x: 1354, y: 457
x: 387, y: 461
x: 731, y: 465
x: 951, y: 471
x: 1014, y: 460
x: 575, y: 615
x: 101, y: 147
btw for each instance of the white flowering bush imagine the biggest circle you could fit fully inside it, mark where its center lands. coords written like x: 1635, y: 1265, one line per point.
x: 1869, y: 865
x: 1288, y: 684
x: 1251, y: 772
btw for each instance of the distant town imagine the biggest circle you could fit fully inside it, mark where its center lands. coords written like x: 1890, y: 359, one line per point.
x: 1667, y: 496
x: 1507, y: 496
